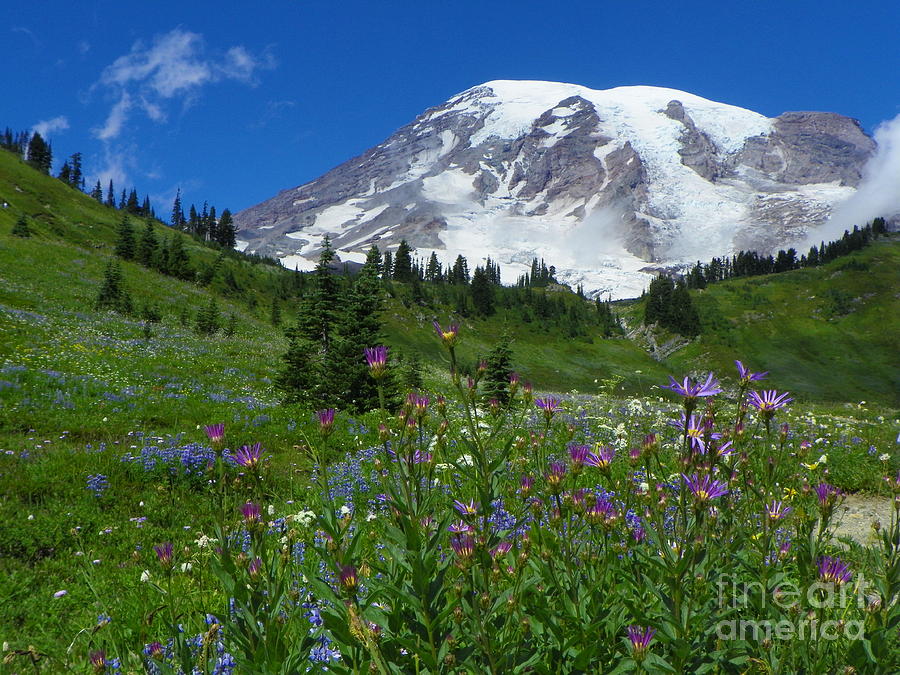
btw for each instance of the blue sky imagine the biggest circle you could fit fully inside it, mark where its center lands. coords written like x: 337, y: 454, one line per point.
x: 233, y: 102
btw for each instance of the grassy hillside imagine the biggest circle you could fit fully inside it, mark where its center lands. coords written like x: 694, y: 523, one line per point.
x: 832, y: 333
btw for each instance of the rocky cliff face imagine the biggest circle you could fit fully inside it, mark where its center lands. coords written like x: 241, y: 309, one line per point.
x: 606, y: 185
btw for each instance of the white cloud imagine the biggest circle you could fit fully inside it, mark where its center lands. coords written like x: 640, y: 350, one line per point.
x: 115, y: 121
x: 47, y: 127
x: 151, y: 78
x: 878, y: 193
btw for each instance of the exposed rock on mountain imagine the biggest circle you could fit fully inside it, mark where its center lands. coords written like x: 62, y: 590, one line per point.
x: 606, y: 185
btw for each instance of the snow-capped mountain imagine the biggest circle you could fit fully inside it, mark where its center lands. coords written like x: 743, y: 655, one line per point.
x: 608, y: 186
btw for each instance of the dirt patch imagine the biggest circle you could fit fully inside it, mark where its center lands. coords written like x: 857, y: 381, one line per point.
x: 855, y: 516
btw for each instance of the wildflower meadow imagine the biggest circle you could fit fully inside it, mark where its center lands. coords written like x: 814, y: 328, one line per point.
x: 689, y: 532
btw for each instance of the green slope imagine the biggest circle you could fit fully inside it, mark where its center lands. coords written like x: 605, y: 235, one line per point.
x: 831, y: 333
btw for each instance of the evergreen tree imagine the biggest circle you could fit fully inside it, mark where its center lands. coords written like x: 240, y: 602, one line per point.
x: 276, y: 312
x: 77, y: 177
x: 133, y: 206
x: 111, y: 195
x: 97, y: 193
x: 208, y: 318
x: 373, y: 259
x: 193, y: 224
x: 146, y: 211
x: 403, y: 262
x: 40, y: 154
x: 177, y: 219
x: 499, y: 368
x: 433, y: 270
x: 146, y: 251
x: 65, y: 173
x: 178, y: 263
x: 21, y: 229
x: 112, y: 294
x: 211, y: 225
x: 388, y: 266
x: 482, y: 292
x: 225, y: 231
x: 123, y: 200
x: 125, y: 246
x: 460, y: 271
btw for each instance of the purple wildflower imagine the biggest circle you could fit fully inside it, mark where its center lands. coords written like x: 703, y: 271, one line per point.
x: 465, y: 509
x: 549, y: 404
x: 501, y: 549
x: 746, y: 376
x: 602, y: 459
x: 376, y: 357
x: 640, y: 638
x: 251, y: 512
x: 255, y: 566
x: 768, y: 401
x: 556, y: 474
x: 463, y: 545
x: 776, y: 510
x: 705, y: 488
x: 834, y: 570
x: 215, y: 432
x: 448, y: 336
x: 248, y: 456
x: 164, y: 554
x: 692, y: 391
x: 578, y: 453
x: 459, y: 528
x: 326, y: 420
x: 601, y: 511
x: 827, y: 494
x: 349, y: 577
x: 525, y: 485
x: 697, y: 431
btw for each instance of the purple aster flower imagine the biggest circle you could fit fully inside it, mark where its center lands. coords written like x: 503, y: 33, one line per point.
x: 745, y: 374
x: 417, y: 403
x: 698, y: 431
x: 251, y: 512
x: 777, y: 510
x: 326, y: 420
x: 705, y: 488
x: 827, y: 494
x: 255, y: 566
x: 556, y: 474
x: 459, y: 528
x: 578, y: 453
x: 640, y: 638
x: 768, y: 401
x: 376, y: 357
x: 164, y: 553
x: 834, y: 570
x: 692, y: 391
x: 725, y: 449
x: 549, y: 404
x: 463, y: 545
x: 501, y: 549
x: 348, y: 577
x: 98, y: 660
x: 448, y: 336
x: 465, y: 509
x: 525, y: 485
x: 248, y: 456
x: 602, y: 459
x: 601, y: 511
x: 215, y: 432
x: 154, y: 650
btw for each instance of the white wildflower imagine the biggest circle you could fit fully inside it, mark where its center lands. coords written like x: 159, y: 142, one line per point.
x: 145, y: 576
x: 884, y: 457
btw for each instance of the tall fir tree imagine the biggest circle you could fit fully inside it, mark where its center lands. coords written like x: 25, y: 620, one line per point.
x: 482, y: 292
x: 97, y: 193
x: 226, y: 235
x: 177, y: 218
x: 403, y: 262
x: 208, y: 319
x: 40, y: 153
x: 77, y: 177
x: 112, y: 294
x: 111, y: 195
x: 146, y: 250
x: 125, y: 246
x: 178, y: 262
x: 499, y: 368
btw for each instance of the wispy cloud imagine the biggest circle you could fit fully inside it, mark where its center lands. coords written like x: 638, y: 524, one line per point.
x: 169, y: 71
x: 877, y: 194
x: 175, y: 66
x: 25, y: 31
x: 47, y: 127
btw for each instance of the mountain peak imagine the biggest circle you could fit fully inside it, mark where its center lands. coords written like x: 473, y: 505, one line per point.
x: 607, y: 185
